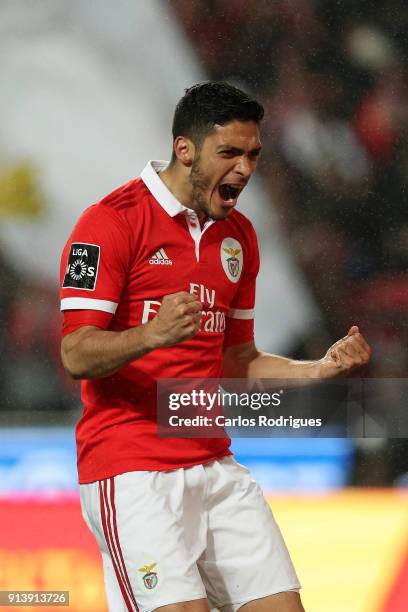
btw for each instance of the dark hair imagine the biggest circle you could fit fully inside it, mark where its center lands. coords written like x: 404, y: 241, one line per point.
x: 207, y: 104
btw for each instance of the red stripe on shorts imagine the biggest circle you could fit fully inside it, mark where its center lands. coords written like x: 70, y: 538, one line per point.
x: 106, y: 531
x: 116, y: 535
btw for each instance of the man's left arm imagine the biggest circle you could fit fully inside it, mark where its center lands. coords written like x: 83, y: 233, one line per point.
x: 342, y: 358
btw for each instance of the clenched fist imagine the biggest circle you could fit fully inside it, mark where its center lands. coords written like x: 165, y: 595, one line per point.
x: 179, y: 318
x: 345, y: 355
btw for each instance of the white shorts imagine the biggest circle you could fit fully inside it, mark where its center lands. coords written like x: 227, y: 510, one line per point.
x: 199, y: 532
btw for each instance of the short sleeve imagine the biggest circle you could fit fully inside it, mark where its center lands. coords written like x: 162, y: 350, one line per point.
x: 240, y: 316
x: 95, y: 263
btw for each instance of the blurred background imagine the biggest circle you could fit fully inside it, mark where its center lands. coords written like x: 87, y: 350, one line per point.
x: 88, y: 91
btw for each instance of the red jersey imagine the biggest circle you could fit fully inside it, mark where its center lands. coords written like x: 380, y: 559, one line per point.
x: 135, y: 246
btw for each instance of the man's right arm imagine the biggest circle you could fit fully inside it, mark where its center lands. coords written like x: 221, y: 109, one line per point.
x: 90, y: 352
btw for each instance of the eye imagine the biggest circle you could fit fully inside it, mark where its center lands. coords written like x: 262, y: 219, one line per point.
x: 255, y: 154
x: 227, y: 153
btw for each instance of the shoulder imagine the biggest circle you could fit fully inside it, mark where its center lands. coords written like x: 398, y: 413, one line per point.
x: 243, y: 226
x: 125, y: 198
x: 117, y: 206
x: 128, y: 194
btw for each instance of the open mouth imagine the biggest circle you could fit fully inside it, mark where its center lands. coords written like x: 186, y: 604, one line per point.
x: 229, y: 193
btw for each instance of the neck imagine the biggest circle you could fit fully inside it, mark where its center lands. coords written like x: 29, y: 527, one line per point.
x: 176, y: 179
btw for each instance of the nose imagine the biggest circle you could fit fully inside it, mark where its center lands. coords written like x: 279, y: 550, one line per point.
x: 244, y: 167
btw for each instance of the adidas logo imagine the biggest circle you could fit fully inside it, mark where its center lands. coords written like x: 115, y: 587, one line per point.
x: 160, y: 259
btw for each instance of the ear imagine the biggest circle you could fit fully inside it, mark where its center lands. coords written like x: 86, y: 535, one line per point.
x: 184, y: 150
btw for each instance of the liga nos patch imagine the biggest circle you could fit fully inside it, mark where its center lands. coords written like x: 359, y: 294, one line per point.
x: 82, y: 266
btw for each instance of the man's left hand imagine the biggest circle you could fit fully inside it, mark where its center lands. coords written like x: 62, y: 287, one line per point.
x: 344, y: 356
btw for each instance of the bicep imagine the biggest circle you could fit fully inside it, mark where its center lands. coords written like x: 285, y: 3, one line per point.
x: 240, y: 315
x: 237, y: 358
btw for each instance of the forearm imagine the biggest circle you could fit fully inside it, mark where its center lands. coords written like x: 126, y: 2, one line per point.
x: 93, y: 353
x: 266, y: 365
x: 246, y: 361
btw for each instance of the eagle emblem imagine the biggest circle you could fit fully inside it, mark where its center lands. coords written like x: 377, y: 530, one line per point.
x: 232, y: 261
x: 150, y: 578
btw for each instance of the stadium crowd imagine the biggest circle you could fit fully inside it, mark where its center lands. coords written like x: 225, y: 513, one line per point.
x: 32, y: 382
x: 334, y: 82
x: 333, y: 79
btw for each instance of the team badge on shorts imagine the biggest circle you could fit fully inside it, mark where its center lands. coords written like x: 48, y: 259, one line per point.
x: 232, y: 258
x: 150, y: 578
x: 82, y: 266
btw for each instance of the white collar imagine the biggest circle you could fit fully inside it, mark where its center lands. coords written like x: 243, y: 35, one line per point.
x: 159, y: 190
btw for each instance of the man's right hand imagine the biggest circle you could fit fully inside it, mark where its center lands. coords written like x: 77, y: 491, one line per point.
x: 178, y: 318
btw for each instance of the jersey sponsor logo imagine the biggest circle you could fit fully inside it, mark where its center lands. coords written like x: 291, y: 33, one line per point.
x: 231, y: 258
x: 150, y: 310
x: 150, y: 578
x: 205, y: 295
x: 212, y: 321
x: 82, y: 266
x: 160, y: 259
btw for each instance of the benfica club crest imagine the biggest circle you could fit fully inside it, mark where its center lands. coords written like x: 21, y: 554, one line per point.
x: 232, y: 261
x: 231, y: 258
x: 150, y: 578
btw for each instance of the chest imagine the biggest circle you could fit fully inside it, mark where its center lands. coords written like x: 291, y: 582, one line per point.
x: 177, y: 254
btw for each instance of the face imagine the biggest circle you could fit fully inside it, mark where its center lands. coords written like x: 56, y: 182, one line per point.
x: 224, y: 165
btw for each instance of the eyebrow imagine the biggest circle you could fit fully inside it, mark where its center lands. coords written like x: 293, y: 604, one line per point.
x: 237, y: 150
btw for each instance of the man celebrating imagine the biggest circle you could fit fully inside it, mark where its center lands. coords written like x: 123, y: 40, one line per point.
x: 158, y: 281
